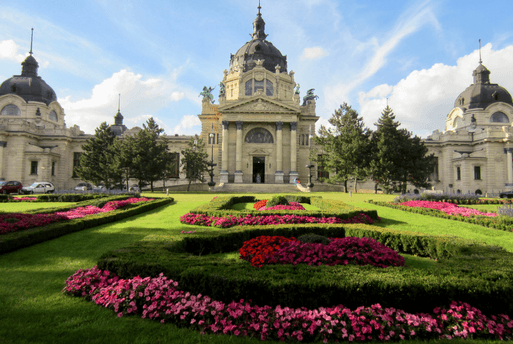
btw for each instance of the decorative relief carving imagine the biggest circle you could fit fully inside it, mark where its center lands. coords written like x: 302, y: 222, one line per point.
x: 259, y: 135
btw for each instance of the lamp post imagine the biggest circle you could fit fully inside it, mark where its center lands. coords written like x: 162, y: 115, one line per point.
x: 211, y: 183
x: 309, y: 166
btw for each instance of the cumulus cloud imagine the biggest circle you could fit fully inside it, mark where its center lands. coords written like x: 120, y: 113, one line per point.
x: 9, y: 51
x: 189, y: 124
x: 140, y: 99
x: 422, y: 100
x: 313, y: 53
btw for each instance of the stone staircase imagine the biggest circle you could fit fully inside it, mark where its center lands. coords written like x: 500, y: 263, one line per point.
x: 256, y: 188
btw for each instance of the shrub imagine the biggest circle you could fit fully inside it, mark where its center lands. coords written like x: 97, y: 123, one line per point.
x: 314, y: 239
x: 277, y: 200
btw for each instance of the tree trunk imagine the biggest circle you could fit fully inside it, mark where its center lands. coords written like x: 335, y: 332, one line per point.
x: 355, y: 184
x: 151, y: 185
x: 345, y: 186
x: 189, y: 185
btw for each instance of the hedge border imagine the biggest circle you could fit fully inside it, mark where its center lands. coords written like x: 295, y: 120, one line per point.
x: 221, y: 206
x: 24, y: 238
x: 505, y: 224
x: 458, y: 275
x: 69, y: 197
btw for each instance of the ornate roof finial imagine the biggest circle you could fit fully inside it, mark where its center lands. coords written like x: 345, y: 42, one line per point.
x: 480, y: 60
x: 119, y: 101
x: 31, y: 40
x: 259, y: 25
x: 259, y: 7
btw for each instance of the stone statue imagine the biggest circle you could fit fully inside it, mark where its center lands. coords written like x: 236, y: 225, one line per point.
x: 297, y: 89
x: 309, y: 96
x: 221, y: 89
x: 207, y: 93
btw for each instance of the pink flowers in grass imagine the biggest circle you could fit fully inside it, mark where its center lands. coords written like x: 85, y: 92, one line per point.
x: 290, y: 206
x: 13, y: 222
x: 160, y: 299
x: 448, y: 208
x: 250, y: 220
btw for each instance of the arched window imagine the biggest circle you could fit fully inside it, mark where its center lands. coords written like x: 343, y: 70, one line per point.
x: 10, y: 110
x: 53, y: 116
x: 499, y: 117
x: 259, y: 135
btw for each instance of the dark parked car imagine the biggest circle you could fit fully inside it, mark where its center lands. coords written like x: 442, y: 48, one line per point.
x: 506, y: 194
x: 84, y: 187
x: 10, y: 187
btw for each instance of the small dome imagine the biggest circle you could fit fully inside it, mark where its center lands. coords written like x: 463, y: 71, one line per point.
x: 259, y: 49
x: 29, y: 85
x: 482, y: 93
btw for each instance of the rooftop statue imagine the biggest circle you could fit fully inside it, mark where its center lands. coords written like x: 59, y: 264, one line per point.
x: 297, y: 89
x: 309, y: 96
x: 221, y: 89
x: 207, y: 93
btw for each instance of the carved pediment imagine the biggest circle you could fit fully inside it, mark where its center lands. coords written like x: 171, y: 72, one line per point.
x: 258, y: 105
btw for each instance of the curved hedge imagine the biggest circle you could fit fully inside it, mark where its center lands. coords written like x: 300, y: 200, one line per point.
x: 466, y: 270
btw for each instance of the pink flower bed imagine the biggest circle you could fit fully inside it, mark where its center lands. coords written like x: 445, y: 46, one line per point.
x: 22, y: 199
x: 290, y: 206
x: 448, y: 208
x: 250, y: 220
x: 340, y: 251
x: 15, y: 221
x: 160, y: 299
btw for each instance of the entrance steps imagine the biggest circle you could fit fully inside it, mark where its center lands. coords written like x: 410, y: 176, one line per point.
x: 256, y: 188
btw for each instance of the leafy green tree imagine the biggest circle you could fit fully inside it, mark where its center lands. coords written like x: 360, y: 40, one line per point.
x: 151, y: 155
x: 125, y: 154
x: 398, y: 158
x: 346, y: 146
x: 195, y: 160
x: 97, y: 163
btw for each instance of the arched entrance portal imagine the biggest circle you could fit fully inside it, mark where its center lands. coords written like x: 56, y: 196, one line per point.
x: 259, y: 169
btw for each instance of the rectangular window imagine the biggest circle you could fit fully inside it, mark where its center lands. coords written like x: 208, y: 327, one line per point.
x: 53, y: 168
x: 217, y: 138
x: 33, y: 167
x: 249, y: 87
x: 209, y: 139
x: 458, y: 173
x: 477, y: 172
x: 76, y: 163
x: 259, y: 85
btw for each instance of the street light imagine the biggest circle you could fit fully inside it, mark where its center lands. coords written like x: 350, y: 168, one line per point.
x: 211, y: 183
x: 309, y: 166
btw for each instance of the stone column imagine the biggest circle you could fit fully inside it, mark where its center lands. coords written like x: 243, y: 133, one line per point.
x: 238, y: 153
x: 224, y: 154
x: 278, y: 175
x: 3, y: 144
x: 293, y: 152
x: 509, y: 166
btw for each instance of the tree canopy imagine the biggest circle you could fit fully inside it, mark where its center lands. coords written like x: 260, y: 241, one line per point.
x: 194, y: 160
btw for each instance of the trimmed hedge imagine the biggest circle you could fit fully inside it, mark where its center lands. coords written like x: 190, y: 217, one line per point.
x: 504, y: 223
x: 28, y: 237
x: 466, y: 270
x: 222, y: 206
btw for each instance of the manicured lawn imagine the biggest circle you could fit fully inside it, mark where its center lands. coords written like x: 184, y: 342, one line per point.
x: 33, y: 309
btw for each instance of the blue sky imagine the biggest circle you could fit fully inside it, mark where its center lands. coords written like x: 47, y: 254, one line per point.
x: 159, y: 54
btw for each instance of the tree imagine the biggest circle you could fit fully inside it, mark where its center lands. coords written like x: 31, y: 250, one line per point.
x: 125, y: 154
x: 97, y: 163
x: 151, y: 156
x: 194, y: 160
x: 346, y: 146
x: 398, y: 158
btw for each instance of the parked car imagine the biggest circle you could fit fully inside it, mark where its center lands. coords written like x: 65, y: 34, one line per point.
x: 506, y: 194
x: 134, y: 188
x: 99, y: 188
x: 39, y: 187
x: 10, y: 187
x: 84, y: 186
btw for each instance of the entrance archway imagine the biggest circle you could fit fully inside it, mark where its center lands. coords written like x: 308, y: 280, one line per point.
x: 259, y: 169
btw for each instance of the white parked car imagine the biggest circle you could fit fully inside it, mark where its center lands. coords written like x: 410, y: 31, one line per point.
x: 39, y: 187
x: 84, y: 187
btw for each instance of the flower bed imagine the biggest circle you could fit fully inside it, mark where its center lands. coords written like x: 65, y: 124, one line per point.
x: 160, y: 299
x: 23, y: 199
x: 448, y: 208
x: 15, y: 221
x: 251, y: 220
x: 265, y: 250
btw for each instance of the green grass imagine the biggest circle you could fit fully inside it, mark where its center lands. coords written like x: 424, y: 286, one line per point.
x: 33, y: 309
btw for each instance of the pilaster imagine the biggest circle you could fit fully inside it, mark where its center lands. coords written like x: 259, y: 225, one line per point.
x: 238, y: 153
x: 224, y: 158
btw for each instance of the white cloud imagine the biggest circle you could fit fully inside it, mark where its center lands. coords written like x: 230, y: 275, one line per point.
x: 422, y: 100
x: 140, y: 99
x: 9, y: 51
x: 189, y: 124
x: 313, y: 53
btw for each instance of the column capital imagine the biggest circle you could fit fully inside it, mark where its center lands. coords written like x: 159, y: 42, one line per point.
x: 3, y: 144
x: 293, y: 126
x: 225, y: 125
x: 279, y: 125
x: 506, y: 150
x: 239, y: 124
